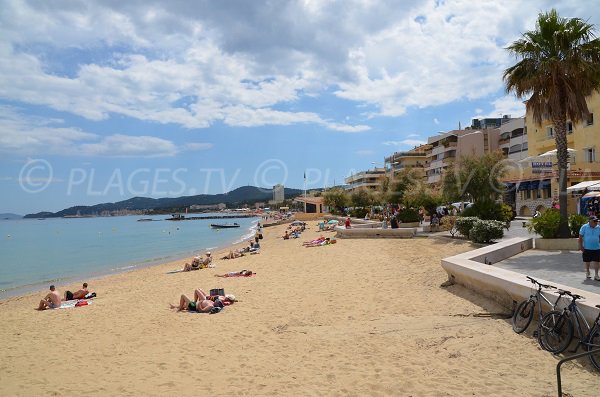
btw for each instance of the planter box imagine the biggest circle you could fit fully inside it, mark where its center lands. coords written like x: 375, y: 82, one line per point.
x: 375, y: 233
x: 558, y: 244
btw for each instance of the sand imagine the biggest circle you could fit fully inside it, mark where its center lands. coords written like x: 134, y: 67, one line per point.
x: 358, y: 318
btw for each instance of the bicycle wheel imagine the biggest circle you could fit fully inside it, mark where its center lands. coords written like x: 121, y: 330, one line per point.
x: 594, y: 344
x: 523, y: 316
x: 556, y: 331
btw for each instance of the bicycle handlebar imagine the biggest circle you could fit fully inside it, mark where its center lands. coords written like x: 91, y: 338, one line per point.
x: 572, y: 295
x: 534, y: 281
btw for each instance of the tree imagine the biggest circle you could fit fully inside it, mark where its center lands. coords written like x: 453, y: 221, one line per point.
x: 558, y: 67
x: 475, y: 176
x: 422, y: 195
x: 406, y: 179
x: 336, y: 198
x: 361, y: 198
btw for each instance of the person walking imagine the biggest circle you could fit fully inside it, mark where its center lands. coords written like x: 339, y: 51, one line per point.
x: 589, y: 245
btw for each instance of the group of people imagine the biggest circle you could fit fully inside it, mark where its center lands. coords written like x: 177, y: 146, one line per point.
x: 198, y: 263
x: 203, y: 302
x: 54, y: 300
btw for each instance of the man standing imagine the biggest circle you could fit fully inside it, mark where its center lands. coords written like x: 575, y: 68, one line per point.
x: 589, y: 245
x: 51, y: 301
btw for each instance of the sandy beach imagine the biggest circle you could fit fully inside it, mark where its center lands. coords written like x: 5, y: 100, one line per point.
x: 357, y: 318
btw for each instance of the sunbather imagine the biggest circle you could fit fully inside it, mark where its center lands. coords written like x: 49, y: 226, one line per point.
x: 50, y: 301
x: 201, y: 303
x: 198, y: 264
x: 233, y: 254
x: 77, y: 294
x: 315, y: 241
x: 241, y: 273
x: 327, y: 241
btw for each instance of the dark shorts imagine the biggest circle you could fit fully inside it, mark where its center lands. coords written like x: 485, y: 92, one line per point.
x: 69, y: 295
x: 591, y: 255
x: 192, y: 306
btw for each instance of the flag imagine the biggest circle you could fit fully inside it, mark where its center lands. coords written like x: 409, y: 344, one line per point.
x: 304, y: 175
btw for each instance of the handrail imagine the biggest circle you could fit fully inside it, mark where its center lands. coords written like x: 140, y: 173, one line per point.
x: 564, y: 360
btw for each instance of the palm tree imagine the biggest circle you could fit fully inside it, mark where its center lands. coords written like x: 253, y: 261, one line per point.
x: 558, y: 67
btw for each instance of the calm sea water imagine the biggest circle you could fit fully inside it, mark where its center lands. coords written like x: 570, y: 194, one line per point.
x: 35, y: 253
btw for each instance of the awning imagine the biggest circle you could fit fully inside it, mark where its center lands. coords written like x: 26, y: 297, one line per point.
x: 546, y: 184
x: 584, y: 185
x: 523, y: 186
x: 534, y: 185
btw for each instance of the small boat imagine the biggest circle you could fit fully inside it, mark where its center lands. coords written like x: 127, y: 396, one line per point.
x: 145, y: 220
x: 224, y: 226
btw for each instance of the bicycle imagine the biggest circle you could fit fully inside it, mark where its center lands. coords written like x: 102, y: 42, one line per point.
x: 524, y: 312
x: 558, y: 327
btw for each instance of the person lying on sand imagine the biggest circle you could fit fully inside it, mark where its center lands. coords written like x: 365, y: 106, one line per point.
x: 315, y: 241
x: 77, y: 294
x: 51, y: 301
x: 198, y: 264
x: 327, y: 241
x: 201, y: 303
x: 241, y: 273
x: 233, y: 255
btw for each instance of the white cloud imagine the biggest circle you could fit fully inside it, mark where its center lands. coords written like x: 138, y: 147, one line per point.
x: 27, y: 136
x: 405, y: 142
x: 197, y: 63
x: 196, y: 146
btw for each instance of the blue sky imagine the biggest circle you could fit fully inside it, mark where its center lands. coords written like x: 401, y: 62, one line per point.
x: 102, y: 101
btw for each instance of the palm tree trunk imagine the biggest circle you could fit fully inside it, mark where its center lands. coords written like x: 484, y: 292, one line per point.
x: 562, y: 155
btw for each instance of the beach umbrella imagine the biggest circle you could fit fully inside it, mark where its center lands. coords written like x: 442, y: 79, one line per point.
x: 297, y: 223
x: 332, y: 221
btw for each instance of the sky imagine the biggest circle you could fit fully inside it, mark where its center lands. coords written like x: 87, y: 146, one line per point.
x: 105, y: 100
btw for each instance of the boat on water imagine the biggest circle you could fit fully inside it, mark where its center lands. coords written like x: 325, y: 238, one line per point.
x: 224, y: 226
x: 145, y: 220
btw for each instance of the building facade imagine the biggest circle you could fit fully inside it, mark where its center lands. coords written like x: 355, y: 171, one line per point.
x: 534, y: 183
x: 278, y: 194
x: 415, y: 159
x: 371, y: 179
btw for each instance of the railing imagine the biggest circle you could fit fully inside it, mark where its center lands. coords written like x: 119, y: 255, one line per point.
x: 564, y: 360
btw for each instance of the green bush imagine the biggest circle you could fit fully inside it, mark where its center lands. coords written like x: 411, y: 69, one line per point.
x: 408, y: 215
x: 486, y: 231
x: 464, y: 224
x: 487, y: 210
x: 575, y: 223
x: 547, y: 224
x: 358, y: 212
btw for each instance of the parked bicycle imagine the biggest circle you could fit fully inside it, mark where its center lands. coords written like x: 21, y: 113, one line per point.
x: 524, y: 312
x: 558, y: 327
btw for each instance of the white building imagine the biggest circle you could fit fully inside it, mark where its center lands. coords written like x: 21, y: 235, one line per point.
x: 278, y: 194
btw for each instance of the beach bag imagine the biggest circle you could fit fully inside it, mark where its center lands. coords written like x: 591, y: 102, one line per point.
x: 217, y: 291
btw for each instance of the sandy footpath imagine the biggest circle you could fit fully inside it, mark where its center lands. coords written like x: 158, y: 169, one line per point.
x: 358, y: 318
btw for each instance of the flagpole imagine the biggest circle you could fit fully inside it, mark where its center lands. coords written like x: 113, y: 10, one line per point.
x: 305, y: 192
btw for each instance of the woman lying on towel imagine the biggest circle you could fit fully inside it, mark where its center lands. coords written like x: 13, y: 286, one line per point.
x: 327, y: 241
x: 241, y: 273
x: 315, y: 241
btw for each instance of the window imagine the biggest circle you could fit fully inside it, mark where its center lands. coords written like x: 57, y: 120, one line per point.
x: 590, y: 155
x: 549, y: 132
x: 590, y: 119
x: 525, y: 145
x: 569, y: 127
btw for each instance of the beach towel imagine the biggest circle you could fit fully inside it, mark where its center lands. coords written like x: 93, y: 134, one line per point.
x: 239, y: 275
x: 175, y: 271
x: 75, y: 303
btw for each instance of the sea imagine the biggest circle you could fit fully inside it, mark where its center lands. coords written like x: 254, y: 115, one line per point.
x: 35, y: 253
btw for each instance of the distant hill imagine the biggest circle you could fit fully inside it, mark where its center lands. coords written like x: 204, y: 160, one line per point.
x: 9, y: 215
x: 240, y: 196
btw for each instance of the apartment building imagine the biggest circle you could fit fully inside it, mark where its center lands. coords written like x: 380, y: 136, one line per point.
x: 534, y: 183
x: 278, y: 194
x: 448, y: 146
x: 370, y: 179
x: 415, y: 159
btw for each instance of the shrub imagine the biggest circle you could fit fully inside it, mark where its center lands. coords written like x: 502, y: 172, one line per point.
x: 547, y: 224
x: 448, y: 224
x: 358, y: 212
x: 486, y: 231
x: 575, y: 223
x: 464, y: 224
x: 408, y: 215
x: 487, y: 210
